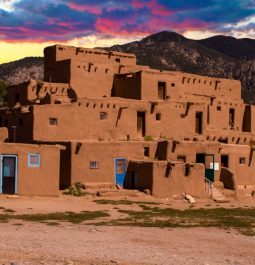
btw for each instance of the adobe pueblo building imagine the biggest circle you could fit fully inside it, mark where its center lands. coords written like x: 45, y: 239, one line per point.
x: 98, y: 117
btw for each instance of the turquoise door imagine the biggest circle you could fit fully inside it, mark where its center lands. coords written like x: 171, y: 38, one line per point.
x: 120, y: 169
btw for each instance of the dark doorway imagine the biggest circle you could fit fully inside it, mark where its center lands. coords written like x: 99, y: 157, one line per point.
x: 224, y: 160
x: 9, y: 174
x: 247, y: 119
x: 199, y: 123
x: 162, y: 90
x: 208, y: 161
x: 141, y: 124
x: 231, y: 118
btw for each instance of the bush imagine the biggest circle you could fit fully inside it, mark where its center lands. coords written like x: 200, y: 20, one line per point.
x: 75, y: 190
x: 148, y: 138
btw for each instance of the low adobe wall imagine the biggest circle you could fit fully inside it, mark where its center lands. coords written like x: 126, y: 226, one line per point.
x: 167, y: 179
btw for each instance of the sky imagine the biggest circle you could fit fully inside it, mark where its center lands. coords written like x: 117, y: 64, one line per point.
x: 27, y: 26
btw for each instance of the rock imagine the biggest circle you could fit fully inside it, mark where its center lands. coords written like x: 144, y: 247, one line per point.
x: 99, y: 193
x: 190, y: 199
x: 147, y: 192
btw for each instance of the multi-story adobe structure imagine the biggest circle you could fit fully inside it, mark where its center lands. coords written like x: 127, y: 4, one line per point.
x: 105, y: 119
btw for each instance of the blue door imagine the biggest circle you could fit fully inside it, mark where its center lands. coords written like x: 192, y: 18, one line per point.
x: 120, y: 168
x: 8, y: 179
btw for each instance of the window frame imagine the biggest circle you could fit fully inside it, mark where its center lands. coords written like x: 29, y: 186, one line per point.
x: 29, y: 161
x: 96, y: 166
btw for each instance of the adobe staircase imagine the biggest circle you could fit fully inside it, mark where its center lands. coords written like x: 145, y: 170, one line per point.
x: 216, y: 194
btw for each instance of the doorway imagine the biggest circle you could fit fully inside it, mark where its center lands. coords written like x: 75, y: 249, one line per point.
x: 208, y: 161
x: 224, y: 160
x: 120, y: 170
x: 231, y: 118
x: 141, y: 124
x: 199, y: 123
x: 9, y: 176
x: 162, y: 90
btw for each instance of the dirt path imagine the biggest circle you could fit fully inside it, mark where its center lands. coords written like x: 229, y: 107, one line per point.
x: 35, y: 243
x: 81, y: 244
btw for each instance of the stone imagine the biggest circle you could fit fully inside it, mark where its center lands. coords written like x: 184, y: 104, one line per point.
x: 147, y: 192
x: 190, y: 199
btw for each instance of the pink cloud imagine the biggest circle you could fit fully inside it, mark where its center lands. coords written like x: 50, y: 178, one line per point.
x: 154, y: 7
x: 93, y: 9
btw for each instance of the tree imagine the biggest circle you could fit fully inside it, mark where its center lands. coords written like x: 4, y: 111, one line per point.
x: 3, y: 93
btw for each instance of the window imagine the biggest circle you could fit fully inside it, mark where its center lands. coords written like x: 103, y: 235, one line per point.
x: 242, y: 160
x: 231, y: 118
x: 172, y: 84
x: 53, y: 121
x: 146, y: 151
x: 33, y: 160
x: 181, y: 158
x: 158, y: 116
x: 103, y: 116
x: 94, y: 165
x: 218, y: 108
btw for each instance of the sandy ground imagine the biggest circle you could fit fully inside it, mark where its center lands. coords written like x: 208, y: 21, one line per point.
x: 36, y: 243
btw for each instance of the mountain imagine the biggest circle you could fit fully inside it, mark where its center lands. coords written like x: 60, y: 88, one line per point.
x: 22, y: 70
x: 218, y: 56
x: 234, y: 48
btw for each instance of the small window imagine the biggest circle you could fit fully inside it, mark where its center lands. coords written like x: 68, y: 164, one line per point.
x: 242, y: 160
x: 158, y: 116
x: 103, y: 116
x: 117, y: 60
x: 53, y: 121
x: 181, y: 158
x: 33, y: 160
x: 146, y: 151
x: 172, y: 84
x: 94, y: 164
x: 218, y: 108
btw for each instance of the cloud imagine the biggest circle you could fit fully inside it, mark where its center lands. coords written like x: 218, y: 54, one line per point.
x: 66, y: 20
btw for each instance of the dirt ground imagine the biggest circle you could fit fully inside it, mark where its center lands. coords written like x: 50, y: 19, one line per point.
x: 23, y: 242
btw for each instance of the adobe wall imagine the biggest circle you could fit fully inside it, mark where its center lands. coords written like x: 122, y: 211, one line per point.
x: 165, y: 182
x: 196, y: 84
x: 181, y: 86
x: 103, y: 153
x: 189, y: 149
x: 120, y: 122
x: 20, y: 124
x: 127, y: 86
x: 243, y: 170
x: 41, y: 181
x: 30, y: 92
x: 62, y: 52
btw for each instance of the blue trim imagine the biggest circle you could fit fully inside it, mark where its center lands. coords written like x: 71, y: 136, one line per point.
x: 16, y: 172
x: 34, y: 165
